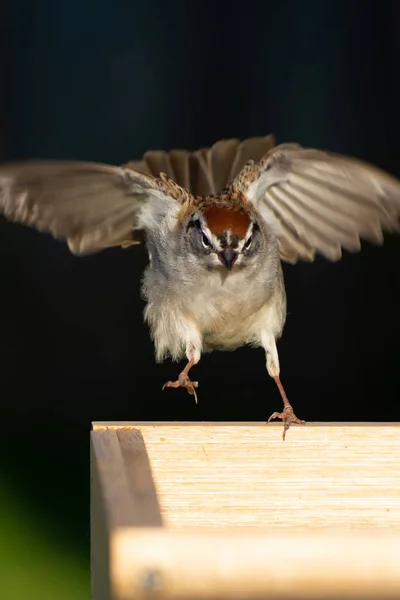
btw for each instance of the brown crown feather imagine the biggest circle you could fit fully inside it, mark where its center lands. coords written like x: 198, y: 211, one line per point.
x: 223, y: 218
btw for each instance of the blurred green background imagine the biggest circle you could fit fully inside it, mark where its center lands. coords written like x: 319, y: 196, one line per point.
x: 35, y: 563
x: 44, y: 504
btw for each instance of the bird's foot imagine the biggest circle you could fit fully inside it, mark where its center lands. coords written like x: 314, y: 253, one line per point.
x: 185, y: 382
x: 288, y: 417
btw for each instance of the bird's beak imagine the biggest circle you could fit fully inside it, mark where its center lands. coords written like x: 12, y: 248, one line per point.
x: 228, y: 257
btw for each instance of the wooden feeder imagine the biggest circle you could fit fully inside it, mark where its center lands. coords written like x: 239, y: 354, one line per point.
x: 211, y: 511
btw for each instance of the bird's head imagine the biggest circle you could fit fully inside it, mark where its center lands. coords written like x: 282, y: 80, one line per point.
x: 223, y: 236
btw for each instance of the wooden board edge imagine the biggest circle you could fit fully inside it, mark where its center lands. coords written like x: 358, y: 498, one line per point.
x: 115, y: 425
x: 203, y: 564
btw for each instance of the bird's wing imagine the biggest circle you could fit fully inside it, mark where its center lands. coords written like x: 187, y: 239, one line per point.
x: 209, y: 170
x: 92, y: 206
x: 318, y: 202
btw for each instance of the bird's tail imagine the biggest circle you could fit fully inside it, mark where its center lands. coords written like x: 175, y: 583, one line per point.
x: 206, y: 171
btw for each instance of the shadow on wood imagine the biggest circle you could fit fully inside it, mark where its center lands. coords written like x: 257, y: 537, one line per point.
x: 207, y: 511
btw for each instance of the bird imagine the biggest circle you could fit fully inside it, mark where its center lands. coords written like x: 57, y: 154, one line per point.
x: 218, y: 224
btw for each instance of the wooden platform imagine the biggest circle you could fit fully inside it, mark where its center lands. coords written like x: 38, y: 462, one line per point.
x: 229, y: 510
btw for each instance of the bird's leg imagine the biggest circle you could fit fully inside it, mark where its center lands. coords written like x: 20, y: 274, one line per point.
x: 183, y: 378
x: 287, y: 415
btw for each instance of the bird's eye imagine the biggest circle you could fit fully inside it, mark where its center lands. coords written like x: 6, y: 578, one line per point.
x: 205, y: 241
x: 248, y: 243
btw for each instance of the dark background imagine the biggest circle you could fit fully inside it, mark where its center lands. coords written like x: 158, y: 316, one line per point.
x: 106, y: 81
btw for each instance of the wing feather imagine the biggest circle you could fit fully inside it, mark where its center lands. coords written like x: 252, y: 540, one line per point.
x: 315, y: 201
x: 318, y: 202
x: 94, y: 206
x: 250, y: 149
x: 90, y: 205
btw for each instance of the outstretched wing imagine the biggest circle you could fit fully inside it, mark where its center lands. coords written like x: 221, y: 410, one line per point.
x: 209, y: 170
x: 91, y: 206
x: 316, y: 201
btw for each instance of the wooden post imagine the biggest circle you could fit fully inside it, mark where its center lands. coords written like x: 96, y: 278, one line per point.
x: 228, y: 511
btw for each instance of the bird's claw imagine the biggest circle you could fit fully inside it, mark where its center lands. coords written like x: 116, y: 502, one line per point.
x: 288, y: 417
x: 185, y: 382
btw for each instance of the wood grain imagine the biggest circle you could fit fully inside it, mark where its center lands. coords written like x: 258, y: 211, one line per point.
x: 254, y: 564
x: 323, y: 476
x: 244, y: 514
x: 122, y: 495
x: 126, y: 484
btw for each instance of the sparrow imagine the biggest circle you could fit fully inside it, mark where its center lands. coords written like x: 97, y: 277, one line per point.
x: 217, y: 224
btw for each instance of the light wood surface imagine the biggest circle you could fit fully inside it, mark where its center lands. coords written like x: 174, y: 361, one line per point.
x: 255, y: 564
x: 121, y: 462
x: 229, y: 510
x: 122, y: 495
x: 334, y: 475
